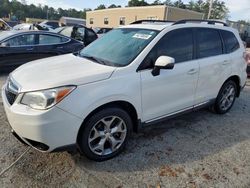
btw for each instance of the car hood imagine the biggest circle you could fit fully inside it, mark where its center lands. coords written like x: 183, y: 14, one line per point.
x: 59, y: 71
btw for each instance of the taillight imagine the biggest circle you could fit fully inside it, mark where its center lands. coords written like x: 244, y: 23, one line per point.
x: 246, y: 56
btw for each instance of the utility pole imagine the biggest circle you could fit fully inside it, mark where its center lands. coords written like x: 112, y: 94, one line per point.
x: 48, y: 14
x: 210, y: 9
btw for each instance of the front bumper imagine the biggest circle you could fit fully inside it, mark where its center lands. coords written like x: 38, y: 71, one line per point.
x: 45, y: 130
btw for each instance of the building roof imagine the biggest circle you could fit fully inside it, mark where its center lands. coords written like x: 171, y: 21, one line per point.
x: 143, y: 7
x: 71, y: 18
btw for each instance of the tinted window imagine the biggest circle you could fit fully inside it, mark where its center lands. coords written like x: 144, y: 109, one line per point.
x: 209, y: 43
x: 177, y: 44
x: 49, y: 39
x: 91, y: 34
x: 230, y: 41
x: 23, y: 40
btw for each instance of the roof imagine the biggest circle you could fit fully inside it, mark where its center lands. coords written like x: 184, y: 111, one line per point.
x: 162, y: 25
x: 152, y: 26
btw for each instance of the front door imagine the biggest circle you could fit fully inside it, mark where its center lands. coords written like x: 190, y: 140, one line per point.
x: 173, y: 90
x: 17, y: 50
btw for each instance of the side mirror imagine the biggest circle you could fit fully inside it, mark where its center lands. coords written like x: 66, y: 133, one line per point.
x: 163, y: 62
x: 5, y: 44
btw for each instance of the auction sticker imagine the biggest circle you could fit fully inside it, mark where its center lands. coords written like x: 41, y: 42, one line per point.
x: 142, y: 36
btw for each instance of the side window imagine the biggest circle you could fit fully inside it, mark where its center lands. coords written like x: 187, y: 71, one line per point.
x: 49, y: 39
x: 67, y: 31
x: 23, y: 40
x: 106, y: 21
x: 230, y: 41
x: 63, y: 39
x: 208, y: 42
x: 177, y: 44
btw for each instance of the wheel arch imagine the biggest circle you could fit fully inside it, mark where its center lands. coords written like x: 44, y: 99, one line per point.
x: 236, y: 79
x: 126, y: 106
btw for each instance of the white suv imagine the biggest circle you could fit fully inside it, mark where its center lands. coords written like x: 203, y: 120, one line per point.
x: 132, y: 77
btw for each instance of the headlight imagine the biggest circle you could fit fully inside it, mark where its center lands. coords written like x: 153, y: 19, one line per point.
x: 42, y: 100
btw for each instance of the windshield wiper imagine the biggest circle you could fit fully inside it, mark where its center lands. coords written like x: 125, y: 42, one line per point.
x: 92, y: 58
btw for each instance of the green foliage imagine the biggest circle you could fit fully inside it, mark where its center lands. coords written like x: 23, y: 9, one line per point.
x: 19, y: 11
x: 135, y: 3
x: 100, y: 7
x: 219, y: 9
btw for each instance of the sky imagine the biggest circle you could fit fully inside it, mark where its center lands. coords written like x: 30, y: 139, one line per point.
x: 239, y: 9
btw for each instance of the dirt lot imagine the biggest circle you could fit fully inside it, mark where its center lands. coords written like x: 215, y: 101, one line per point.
x: 200, y: 149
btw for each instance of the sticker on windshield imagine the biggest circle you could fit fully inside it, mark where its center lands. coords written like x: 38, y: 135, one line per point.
x: 142, y: 36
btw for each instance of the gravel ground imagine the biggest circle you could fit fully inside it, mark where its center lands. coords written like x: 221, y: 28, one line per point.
x: 199, y: 149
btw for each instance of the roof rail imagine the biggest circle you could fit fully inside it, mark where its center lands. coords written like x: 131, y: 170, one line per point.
x: 213, y: 22
x: 150, y: 21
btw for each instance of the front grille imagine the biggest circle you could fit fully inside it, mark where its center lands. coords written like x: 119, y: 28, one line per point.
x: 11, y: 97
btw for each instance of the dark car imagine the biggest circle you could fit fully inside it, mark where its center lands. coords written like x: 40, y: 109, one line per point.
x: 78, y: 32
x: 50, y: 23
x: 18, y: 47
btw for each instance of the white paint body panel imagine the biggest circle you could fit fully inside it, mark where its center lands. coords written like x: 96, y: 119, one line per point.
x: 152, y: 97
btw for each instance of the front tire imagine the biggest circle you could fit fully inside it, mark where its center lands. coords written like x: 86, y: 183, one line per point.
x: 225, y: 98
x: 105, y: 134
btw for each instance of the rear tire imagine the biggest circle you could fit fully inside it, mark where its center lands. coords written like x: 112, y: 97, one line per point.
x: 105, y: 134
x: 225, y: 98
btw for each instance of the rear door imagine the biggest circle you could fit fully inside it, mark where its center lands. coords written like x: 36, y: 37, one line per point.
x: 18, y: 50
x: 215, y: 64
x: 51, y: 45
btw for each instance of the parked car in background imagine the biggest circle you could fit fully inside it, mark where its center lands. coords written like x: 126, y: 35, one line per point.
x: 29, y: 26
x: 4, y: 26
x: 19, y: 47
x: 101, y: 31
x: 78, y: 32
x: 50, y: 24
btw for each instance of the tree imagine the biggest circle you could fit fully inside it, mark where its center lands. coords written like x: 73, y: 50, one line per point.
x: 157, y: 2
x: 168, y: 2
x: 219, y: 9
x: 135, y: 3
x: 100, y: 7
x: 114, y: 6
x: 179, y: 4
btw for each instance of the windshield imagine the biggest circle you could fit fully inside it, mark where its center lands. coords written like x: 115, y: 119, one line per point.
x: 119, y: 47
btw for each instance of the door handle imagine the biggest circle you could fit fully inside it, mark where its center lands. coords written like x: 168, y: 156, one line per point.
x: 192, y: 71
x: 60, y: 47
x: 30, y: 49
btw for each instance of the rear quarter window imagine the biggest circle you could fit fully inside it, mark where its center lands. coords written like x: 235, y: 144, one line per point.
x: 230, y: 41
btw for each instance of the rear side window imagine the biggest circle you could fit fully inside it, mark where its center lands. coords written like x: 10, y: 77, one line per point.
x: 209, y: 43
x: 230, y: 41
x: 49, y: 39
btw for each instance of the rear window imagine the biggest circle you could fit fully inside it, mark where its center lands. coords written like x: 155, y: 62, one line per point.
x: 209, y: 43
x: 231, y: 42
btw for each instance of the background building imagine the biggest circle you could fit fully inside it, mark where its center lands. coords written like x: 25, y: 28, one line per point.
x: 116, y: 17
